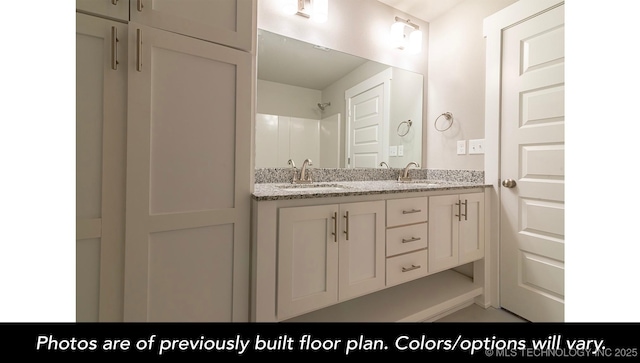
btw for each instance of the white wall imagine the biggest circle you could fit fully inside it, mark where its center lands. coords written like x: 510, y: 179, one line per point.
x: 286, y: 100
x: 456, y: 82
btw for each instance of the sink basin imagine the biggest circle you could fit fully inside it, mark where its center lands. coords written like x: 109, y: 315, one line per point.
x: 313, y: 187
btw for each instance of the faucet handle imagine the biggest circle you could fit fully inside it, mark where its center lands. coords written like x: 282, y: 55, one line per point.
x: 290, y: 162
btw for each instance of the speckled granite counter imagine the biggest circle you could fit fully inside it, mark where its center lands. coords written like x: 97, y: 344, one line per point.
x: 282, y: 191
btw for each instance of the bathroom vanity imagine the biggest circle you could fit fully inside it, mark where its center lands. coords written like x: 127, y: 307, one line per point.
x: 378, y: 251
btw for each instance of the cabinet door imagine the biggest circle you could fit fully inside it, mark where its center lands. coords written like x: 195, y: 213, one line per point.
x: 471, y: 235
x: 307, y: 259
x: 117, y: 9
x: 101, y: 113
x: 362, y: 248
x: 227, y: 22
x: 188, y: 179
x: 444, y: 213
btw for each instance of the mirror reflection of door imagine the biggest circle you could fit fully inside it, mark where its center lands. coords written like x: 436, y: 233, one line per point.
x: 367, y: 122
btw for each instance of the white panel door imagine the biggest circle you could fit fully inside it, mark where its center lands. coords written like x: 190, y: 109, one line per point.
x: 307, y: 259
x: 227, y: 22
x: 532, y: 168
x: 362, y: 248
x: 188, y: 179
x: 367, y: 121
x: 101, y: 124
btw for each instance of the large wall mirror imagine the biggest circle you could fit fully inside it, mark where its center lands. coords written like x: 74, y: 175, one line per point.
x: 338, y: 110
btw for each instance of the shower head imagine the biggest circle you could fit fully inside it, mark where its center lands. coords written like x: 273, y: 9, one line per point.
x: 322, y: 106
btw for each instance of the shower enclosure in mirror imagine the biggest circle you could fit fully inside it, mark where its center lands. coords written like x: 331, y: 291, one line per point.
x: 338, y: 110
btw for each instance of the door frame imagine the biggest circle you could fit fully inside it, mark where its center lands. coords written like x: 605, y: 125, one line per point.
x: 493, y: 28
x: 383, y: 78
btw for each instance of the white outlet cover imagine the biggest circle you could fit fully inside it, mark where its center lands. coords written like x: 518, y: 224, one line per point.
x: 476, y: 146
x: 393, y: 151
x: 462, y: 147
x: 400, y: 150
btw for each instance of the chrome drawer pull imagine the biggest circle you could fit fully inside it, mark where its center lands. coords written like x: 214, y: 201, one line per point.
x: 411, y: 211
x: 413, y: 267
x: 412, y: 239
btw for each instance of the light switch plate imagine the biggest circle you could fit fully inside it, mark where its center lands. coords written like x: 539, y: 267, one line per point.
x: 393, y: 151
x: 462, y: 147
x: 476, y: 146
x: 400, y: 150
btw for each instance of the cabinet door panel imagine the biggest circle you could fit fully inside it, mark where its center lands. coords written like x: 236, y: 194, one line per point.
x: 101, y: 122
x: 117, y: 9
x: 362, y: 250
x: 188, y: 170
x: 471, y: 237
x: 443, y: 232
x: 307, y: 259
x: 226, y: 22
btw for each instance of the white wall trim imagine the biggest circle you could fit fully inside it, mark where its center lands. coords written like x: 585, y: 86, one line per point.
x: 494, y: 26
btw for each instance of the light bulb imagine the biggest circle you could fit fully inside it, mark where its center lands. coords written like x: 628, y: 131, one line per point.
x: 320, y: 11
x: 397, y: 35
x: 415, y: 42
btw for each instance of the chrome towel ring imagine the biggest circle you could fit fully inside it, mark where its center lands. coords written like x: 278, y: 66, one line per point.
x: 402, y: 131
x: 449, y: 118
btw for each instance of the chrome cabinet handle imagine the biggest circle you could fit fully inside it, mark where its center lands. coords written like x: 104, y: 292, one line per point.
x: 139, y: 50
x: 459, y: 214
x: 140, y: 5
x: 508, y: 183
x: 114, y: 2
x: 114, y: 48
x: 413, y: 267
x: 412, y: 239
x: 335, y: 226
x: 411, y: 211
x: 465, y: 210
x: 346, y: 216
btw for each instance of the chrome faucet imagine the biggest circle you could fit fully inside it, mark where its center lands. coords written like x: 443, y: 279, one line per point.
x: 405, y: 173
x: 304, y: 178
x: 385, y: 164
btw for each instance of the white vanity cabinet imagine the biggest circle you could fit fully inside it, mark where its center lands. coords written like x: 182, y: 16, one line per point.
x: 456, y: 233
x: 328, y: 254
x: 115, y: 9
x: 304, y: 269
x: 226, y: 22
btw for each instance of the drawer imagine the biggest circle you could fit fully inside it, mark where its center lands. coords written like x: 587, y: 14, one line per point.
x: 406, y: 239
x: 406, y: 211
x: 406, y: 267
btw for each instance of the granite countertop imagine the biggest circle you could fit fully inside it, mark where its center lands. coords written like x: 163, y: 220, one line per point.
x: 282, y: 191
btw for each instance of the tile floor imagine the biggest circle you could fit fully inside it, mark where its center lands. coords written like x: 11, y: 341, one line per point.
x: 475, y: 313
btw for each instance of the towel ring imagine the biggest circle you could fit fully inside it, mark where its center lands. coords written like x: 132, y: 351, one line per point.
x: 408, y: 127
x: 449, y: 118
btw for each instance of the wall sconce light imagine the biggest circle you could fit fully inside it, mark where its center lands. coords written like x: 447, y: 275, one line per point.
x: 316, y: 10
x: 413, y: 42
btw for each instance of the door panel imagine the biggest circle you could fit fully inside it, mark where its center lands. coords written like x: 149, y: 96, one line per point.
x: 532, y: 153
x: 367, y: 128
x: 188, y: 179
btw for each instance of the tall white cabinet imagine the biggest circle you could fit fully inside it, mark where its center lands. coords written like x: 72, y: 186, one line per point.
x: 101, y: 116
x: 183, y: 162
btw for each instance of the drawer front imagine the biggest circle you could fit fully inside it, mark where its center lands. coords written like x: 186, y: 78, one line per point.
x: 407, y: 239
x: 406, y: 211
x: 407, y: 267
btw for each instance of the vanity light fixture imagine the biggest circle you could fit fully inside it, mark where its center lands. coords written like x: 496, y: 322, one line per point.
x: 412, y: 43
x: 316, y: 10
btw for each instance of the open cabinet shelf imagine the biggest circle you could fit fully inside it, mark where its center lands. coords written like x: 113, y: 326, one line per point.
x: 414, y: 301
